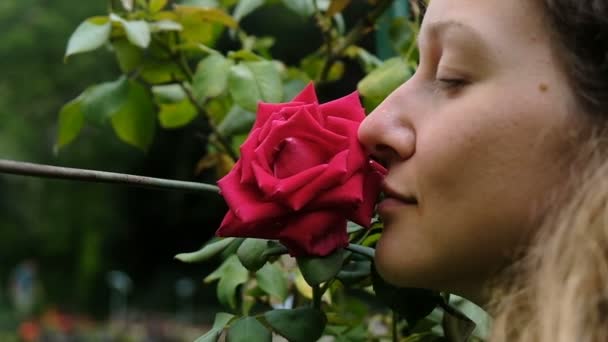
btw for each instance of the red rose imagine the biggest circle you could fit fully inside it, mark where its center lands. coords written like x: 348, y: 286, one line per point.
x: 302, y: 175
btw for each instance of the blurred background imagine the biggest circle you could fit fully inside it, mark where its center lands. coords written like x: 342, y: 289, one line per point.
x: 78, y: 252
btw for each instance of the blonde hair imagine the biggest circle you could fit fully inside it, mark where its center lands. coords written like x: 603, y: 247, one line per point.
x: 558, y: 292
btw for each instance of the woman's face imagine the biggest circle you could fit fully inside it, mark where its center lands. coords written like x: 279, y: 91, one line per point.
x: 474, y: 136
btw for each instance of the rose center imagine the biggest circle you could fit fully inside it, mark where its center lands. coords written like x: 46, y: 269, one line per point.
x: 295, y: 155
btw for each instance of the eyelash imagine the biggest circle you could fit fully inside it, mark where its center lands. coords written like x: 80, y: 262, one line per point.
x: 449, y: 84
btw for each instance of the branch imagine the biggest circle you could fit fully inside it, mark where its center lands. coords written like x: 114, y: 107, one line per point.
x: 364, y: 26
x: 48, y: 171
x: 201, y: 111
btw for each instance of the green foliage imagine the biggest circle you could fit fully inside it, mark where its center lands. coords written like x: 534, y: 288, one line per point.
x: 297, y: 325
x: 175, y: 72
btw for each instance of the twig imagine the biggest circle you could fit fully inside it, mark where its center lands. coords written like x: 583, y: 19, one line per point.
x: 199, y: 108
x: 364, y: 26
x: 48, y: 171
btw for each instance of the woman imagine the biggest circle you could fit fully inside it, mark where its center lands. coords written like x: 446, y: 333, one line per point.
x: 484, y: 144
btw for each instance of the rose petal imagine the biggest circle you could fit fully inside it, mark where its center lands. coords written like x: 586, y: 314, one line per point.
x: 266, y: 229
x: 265, y: 111
x: 347, y: 195
x: 298, y: 155
x: 371, y: 189
x: 247, y: 156
x: 307, y: 95
x: 348, y: 107
x: 246, y: 200
x: 332, y: 176
x: 317, y: 233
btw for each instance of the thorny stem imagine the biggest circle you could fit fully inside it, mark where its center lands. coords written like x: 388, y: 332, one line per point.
x: 48, y: 171
x: 364, y: 26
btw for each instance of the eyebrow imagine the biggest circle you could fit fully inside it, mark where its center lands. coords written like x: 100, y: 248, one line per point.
x: 439, y: 28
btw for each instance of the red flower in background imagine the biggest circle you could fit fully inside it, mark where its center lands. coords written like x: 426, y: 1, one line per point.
x: 302, y: 175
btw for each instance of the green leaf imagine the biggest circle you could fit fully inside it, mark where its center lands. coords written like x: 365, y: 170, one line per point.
x: 248, y: 329
x: 169, y: 93
x: 135, y: 122
x: 251, y: 82
x: 207, y: 252
x: 383, y: 80
x: 456, y: 326
x: 157, y: 5
x: 231, y: 274
x: 355, y: 271
x: 245, y: 7
x: 362, y: 250
x: 221, y: 319
x: 413, y: 304
x: 319, y: 270
x: 271, y: 279
x: 128, y: 55
x: 211, y: 76
x: 237, y: 121
x: 137, y: 31
x: 304, y: 8
x: 71, y: 120
x: 251, y: 253
x: 165, y: 25
x: 297, y: 325
x: 215, y: 15
x: 102, y: 101
x: 89, y: 35
x: 175, y: 115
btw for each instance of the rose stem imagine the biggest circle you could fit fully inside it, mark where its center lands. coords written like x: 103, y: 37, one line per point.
x: 48, y: 171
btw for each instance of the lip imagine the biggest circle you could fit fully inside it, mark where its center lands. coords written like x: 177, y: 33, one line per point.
x: 394, y: 200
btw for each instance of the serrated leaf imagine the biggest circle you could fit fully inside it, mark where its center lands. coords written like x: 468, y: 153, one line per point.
x: 175, y: 115
x: 89, y: 35
x: 135, y: 122
x: 386, y: 78
x: 237, y: 121
x: 102, y: 101
x: 71, y: 120
x: 297, y: 325
x: 156, y: 5
x: 251, y: 253
x: 231, y: 274
x: 251, y: 82
x: 248, y: 329
x: 245, y: 7
x: 321, y: 269
x: 211, y: 77
x: 272, y: 280
x: 137, y: 31
x: 207, y: 252
x: 304, y: 8
x: 220, y: 321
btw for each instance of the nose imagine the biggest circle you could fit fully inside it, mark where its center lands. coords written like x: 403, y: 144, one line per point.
x: 388, y: 133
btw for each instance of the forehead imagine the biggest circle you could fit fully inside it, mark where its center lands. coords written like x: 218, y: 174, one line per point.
x: 492, y: 18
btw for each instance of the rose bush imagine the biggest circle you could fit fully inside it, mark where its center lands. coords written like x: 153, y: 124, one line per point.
x: 302, y: 175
